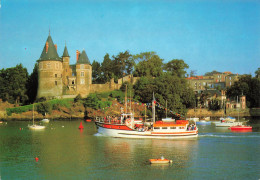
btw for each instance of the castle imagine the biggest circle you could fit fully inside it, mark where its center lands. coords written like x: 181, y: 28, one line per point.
x: 57, y: 78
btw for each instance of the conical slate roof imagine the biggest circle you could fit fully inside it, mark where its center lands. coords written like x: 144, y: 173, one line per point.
x: 83, y: 58
x: 65, y: 52
x: 51, y: 54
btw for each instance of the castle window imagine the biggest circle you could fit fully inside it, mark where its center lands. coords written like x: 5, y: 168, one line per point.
x: 82, y: 66
x: 82, y: 81
x: 57, y: 65
x: 73, y: 82
x: 56, y: 75
x: 82, y: 74
x: 56, y: 83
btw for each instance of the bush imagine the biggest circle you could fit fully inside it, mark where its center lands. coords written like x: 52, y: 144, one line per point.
x: 19, y: 110
x: 44, y: 107
x: 78, y: 98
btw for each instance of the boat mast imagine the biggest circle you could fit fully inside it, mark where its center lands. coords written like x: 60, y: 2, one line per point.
x: 153, y: 108
x: 166, y: 109
x: 33, y: 114
x: 238, y: 109
x: 126, y: 98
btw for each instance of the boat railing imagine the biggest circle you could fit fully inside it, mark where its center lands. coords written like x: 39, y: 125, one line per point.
x: 110, y: 120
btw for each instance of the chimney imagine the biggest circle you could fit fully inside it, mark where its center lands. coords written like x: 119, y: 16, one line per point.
x: 55, y: 46
x: 77, y: 55
x: 47, y: 46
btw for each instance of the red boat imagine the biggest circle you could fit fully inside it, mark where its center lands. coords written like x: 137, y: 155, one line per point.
x: 241, y: 128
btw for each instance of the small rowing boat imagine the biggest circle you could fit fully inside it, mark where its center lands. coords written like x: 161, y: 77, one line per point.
x: 160, y: 161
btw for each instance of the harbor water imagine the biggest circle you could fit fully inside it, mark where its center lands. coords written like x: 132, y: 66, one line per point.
x: 65, y: 152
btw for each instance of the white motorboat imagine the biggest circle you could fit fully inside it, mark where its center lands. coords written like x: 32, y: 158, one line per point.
x: 45, y: 120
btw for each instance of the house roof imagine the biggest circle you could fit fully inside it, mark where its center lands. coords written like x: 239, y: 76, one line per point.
x: 51, y: 53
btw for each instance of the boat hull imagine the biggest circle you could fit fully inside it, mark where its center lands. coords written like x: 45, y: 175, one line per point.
x: 36, y: 127
x: 241, y: 128
x: 130, y: 133
x: 159, y: 161
x: 227, y: 124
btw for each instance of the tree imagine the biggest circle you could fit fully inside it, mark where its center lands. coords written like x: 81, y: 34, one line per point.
x: 149, y: 64
x: 214, y: 105
x: 176, y: 67
x: 257, y: 73
x: 14, y: 82
x: 211, y: 73
x: 96, y: 72
x: 106, y: 67
x: 247, y: 86
x: 43, y: 108
x: 122, y: 64
x: 166, y: 87
x: 32, y: 84
x: 193, y: 73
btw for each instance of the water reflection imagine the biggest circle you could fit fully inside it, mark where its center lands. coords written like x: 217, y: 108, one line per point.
x: 139, y: 151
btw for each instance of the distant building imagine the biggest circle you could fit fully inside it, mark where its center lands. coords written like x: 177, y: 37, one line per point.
x: 212, y: 87
x: 222, y: 80
x: 57, y: 78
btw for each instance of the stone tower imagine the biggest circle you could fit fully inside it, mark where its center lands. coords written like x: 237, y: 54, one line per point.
x: 50, y: 71
x: 83, y: 73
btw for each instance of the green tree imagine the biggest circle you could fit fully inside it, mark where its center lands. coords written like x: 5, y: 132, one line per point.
x: 166, y: 87
x: 44, y: 108
x: 149, y: 64
x: 257, y: 73
x: 211, y: 73
x: 176, y: 67
x: 32, y: 85
x: 247, y: 86
x: 13, y: 85
x: 106, y: 68
x: 96, y: 72
x: 214, y: 105
x: 122, y: 64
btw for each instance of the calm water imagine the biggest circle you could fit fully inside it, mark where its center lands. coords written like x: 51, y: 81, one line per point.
x: 66, y: 153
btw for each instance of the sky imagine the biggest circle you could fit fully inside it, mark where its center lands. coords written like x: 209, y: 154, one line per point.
x: 222, y: 35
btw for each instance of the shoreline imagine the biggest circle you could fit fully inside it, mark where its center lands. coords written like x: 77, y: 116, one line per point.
x: 61, y: 115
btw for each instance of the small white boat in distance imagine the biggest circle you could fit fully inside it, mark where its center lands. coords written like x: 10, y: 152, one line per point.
x: 45, y: 120
x: 168, y: 119
x: 195, y: 119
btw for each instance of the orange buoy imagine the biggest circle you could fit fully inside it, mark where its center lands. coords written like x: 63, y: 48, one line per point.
x: 81, y: 126
x: 36, y: 159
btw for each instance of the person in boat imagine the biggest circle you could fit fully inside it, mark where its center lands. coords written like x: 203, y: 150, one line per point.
x: 195, y: 127
x: 162, y: 158
x: 192, y: 127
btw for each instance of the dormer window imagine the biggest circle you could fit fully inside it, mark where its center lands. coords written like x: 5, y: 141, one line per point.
x: 82, y: 66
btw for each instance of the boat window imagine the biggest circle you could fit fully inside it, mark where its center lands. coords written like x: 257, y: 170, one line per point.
x: 164, y: 127
x: 182, y: 128
x: 172, y: 127
x: 156, y: 127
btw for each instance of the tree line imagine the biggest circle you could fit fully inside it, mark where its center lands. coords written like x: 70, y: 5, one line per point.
x: 166, y: 80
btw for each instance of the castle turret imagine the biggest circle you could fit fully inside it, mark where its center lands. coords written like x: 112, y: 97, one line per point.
x: 67, y: 72
x: 83, y: 73
x: 50, y: 71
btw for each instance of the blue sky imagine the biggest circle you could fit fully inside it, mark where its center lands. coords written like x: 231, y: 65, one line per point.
x: 208, y: 35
